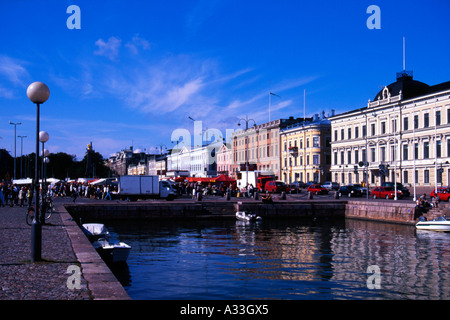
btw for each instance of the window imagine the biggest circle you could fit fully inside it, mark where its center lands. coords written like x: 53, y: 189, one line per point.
x: 405, y: 123
x: 383, y: 153
x: 438, y: 118
x: 342, y: 157
x: 349, y: 133
x: 335, y: 135
x: 405, y: 152
x: 315, y: 142
x: 372, y: 128
x: 438, y: 149
x: 342, y: 134
x: 336, y: 157
x: 448, y: 147
x: 372, y: 150
x: 426, y: 150
x: 356, y: 156
x: 426, y: 176
x: 416, y: 151
x: 405, y: 176
x: 349, y: 156
x: 364, y: 128
x: 383, y: 127
x: 416, y: 121
x: 356, y: 132
x: 426, y: 120
x: 316, y: 159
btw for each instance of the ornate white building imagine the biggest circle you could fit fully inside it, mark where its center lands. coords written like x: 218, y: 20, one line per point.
x: 402, y: 136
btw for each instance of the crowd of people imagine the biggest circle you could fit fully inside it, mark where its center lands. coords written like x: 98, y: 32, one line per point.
x: 12, y: 195
x: 20, y: 195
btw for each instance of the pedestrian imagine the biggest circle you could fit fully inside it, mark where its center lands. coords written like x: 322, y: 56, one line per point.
x: 74, y: 194
x: 107, y: 194
x: 21, y: 196
x: 2, y: 197
x: 29, y: 197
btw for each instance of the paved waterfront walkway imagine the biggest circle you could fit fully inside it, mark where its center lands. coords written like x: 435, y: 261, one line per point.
x: 63, y: 245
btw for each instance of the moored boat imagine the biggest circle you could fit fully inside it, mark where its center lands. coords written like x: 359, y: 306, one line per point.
x: 112, y: 251
x: 437, y: 224
x: 245, y: 216
x: 95, y: 231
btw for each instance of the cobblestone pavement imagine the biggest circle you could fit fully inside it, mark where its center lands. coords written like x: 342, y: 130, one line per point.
x: 45, y: 280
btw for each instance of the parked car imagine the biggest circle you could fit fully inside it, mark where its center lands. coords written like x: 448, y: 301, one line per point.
x: 293, y: 188
x: 361, y: 188
x: 385, y: 192
x: 405, y: 192
x: 331, y: 185
x: 350, y: 191
x: 442, y: 192
x: 317, y: 189
x: 276, y: 187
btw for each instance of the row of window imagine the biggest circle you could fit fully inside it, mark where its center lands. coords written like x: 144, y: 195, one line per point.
x: 256, y: 153
x: 423, y: 174
x: 339, y: 157
x: 355, y: 132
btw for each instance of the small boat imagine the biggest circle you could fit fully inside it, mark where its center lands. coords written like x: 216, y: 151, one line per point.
x: 109, y: 249
x: 437, y: 224
x: 112, y: 251
x: 245, y: 216
x: 95, y: 231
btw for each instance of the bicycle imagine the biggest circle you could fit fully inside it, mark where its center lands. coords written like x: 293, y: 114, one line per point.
x: 47, y: 210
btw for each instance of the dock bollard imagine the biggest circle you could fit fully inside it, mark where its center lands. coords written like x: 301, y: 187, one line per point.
x: 228, y: 195
x: 199, y: 196
x: 256, y: 195
x: 310, y: 195
x: 283, y: 195
x: 336, y: 195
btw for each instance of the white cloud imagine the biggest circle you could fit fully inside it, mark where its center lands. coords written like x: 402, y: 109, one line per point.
x: 137, y: 43
x: 109, y: 49
x: 12, y: 75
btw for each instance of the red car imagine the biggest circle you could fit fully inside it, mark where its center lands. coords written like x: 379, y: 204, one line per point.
x: 443, y: 193
x: 385, y: 192
x: 276, y: 186
x: 317, y: 189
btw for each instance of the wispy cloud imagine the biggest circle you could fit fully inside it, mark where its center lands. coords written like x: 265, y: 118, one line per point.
x: 137, y: 43
x: 13, y: 74
x: 109, y: 49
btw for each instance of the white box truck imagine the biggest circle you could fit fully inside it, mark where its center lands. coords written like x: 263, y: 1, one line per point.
x: 144, y: 187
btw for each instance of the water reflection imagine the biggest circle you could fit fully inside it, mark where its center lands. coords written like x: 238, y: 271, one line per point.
x: 288, y: 259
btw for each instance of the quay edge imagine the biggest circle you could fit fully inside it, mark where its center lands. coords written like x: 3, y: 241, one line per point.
x: 381, y: 210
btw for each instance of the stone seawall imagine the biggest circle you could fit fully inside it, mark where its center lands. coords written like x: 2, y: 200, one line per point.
x: 385, y: 211
x: 84, y: 213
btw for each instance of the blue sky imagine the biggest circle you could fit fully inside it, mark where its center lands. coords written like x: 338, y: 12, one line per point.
x: 136, y: 70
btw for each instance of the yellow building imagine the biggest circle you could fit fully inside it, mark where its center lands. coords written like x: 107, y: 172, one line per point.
x: 305, y: 151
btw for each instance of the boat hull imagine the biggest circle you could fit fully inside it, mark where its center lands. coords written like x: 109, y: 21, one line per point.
x: 443, y: 226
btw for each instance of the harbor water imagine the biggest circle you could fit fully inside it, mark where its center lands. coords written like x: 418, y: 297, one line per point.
x: 291, y: 259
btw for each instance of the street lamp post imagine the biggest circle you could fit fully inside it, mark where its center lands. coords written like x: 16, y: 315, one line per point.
x: 247, y: 120
x: 38, y: 93
x: 43, y: 138
x: 21, y: 154
x: 15, y: 135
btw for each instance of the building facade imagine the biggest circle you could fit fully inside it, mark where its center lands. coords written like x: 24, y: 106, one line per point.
x: 403, y: 135
x: 306, y: 151
x: 259, y: 146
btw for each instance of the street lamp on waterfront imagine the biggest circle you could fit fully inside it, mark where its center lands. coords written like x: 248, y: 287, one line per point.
x: 247, y: 120
x: 15, y: 135
x: 21, y: 154
x: 38, y: 93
